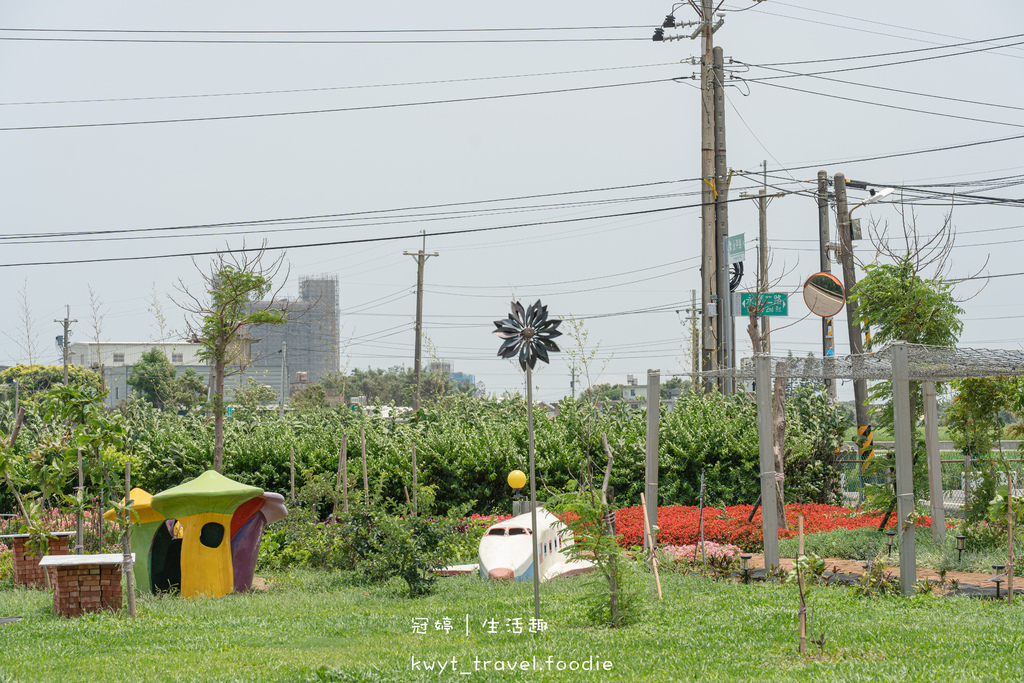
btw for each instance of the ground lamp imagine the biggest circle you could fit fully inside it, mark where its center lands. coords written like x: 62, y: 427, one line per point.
x: 998, y: 578
x: 888, y: 542
x: 745, y: 567
x: 517, y: 480
x: 960, y: 547
x: 528, y: 334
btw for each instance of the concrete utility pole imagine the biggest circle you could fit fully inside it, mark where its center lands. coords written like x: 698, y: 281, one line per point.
x: 709, y: 245
x: 67, y: 337
x: 722, y: 216
x: 860, y: 386
x: 762, y: 256
x: 825, y: 266
x: 421, y: 258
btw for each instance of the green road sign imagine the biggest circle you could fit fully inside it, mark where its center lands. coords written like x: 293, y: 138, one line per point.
x: 772, y: 303
x: 735, y: 248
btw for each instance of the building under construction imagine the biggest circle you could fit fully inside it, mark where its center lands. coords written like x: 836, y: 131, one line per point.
x: 311, y: 332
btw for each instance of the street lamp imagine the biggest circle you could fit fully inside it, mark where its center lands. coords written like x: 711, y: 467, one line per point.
x: 875, y: 197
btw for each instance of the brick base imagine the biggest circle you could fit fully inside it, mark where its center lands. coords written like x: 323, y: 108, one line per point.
x: 86, y: 588
x: 27, y: 571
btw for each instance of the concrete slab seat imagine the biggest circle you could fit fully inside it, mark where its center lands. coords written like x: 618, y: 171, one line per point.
x: 85, y: 583
x: 27, y: 571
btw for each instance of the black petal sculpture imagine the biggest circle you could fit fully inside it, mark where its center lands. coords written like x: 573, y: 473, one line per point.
x: 528, y: 334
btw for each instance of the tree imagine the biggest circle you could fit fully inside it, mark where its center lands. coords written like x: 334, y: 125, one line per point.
x: 27, y: 337
x: 900, y: 303
x: 234, y: 283
x: 37, y: 379
x: 253, y: 396
x: 153, y: 377
x: 188, y: 390
x: 312, y: 397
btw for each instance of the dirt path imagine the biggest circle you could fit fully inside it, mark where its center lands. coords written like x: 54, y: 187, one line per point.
x: 856, y: 567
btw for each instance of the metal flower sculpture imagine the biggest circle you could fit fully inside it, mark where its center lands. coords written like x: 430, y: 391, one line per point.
x: 528, y: 334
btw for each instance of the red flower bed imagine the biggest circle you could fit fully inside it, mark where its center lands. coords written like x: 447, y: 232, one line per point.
x: 679, y: 525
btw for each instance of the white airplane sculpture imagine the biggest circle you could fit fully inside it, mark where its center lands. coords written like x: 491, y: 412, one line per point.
x: 506, y: 553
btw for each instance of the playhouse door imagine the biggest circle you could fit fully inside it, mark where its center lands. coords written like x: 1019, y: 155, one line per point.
x: 206, y: 555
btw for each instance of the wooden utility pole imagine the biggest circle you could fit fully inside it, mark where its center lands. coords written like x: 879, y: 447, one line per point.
x: 860, y: 386
x: 825, y: 266
x: 421, y: 258
x: 709, y: 246
x: 67, y: 337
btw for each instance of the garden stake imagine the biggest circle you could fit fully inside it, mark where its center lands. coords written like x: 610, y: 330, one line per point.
x: 291, y: 463
x: 366, y: 480
x: 703, y: 559
x: 1009, y: 525
x: 126, y: 565
x: 800, y: 585
x: 654, y: 554
x: 344, y: 470
x: 79, y: 517
x: 415, y: 505
x: 337, y: 485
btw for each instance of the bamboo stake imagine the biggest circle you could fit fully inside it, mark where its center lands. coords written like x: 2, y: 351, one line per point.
x: 79, y: 517
x: 366, y: 480
x: 654, y: 555
x: 800, y: 584
x: 1009, y: 519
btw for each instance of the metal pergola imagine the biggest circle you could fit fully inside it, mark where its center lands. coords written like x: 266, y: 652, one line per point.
x: 902, y: 363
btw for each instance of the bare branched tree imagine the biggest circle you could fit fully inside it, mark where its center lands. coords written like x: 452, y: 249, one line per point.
x: 156, y: 309
x: 26, y: 336
x: 235, y: 282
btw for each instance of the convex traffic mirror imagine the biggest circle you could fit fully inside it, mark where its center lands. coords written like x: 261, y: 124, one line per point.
x: 824, y: 294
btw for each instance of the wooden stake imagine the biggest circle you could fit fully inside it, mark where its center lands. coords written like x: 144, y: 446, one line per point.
x: 126, y: 567
x: 800, y: 584
x: 415, y: 481
x: 366, y: 480
x: 1009, y: 520
x: 654, y: 555
x: 341, y: 464
x: 344, y: 471
x: 291, y: 463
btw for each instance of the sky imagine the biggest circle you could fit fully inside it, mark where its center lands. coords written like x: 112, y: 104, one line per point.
x: 549, y: 151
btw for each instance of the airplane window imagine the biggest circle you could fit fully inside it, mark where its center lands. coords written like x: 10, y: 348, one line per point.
x: 496, y: 532
x: 516, y: 531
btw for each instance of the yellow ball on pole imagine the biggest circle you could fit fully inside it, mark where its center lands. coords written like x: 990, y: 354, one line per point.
x: 516, y: 479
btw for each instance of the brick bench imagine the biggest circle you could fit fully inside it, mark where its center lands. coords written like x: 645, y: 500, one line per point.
x: 27, y: 571
x: 85, y: 583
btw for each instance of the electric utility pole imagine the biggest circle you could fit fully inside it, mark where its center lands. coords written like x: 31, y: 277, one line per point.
x: 860, y: 386
x: 709, y: 245
x: 763, y: 199
x: 721, y: 189
x: 284, y: 376
x: 825, y: 266
x: 67, y: 336
x: 421, y: 258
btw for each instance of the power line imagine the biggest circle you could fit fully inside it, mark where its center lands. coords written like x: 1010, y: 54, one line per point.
x: 214, y: 41
x: 335, y: 110
x: 490, y: 29
x: 341, y: 87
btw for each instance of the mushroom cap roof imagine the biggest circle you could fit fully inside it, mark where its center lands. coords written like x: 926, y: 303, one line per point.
x: 142, y: 505
x: 209, y: 492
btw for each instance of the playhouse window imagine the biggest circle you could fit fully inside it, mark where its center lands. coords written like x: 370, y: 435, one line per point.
x: 517, y: 531
x: 211, y: 535
x: 496, y: 532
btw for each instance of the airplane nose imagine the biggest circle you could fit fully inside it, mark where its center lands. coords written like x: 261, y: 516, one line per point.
x: 501, y: 574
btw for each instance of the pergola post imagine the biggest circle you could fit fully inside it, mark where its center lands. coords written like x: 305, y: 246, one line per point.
x: 931, y: 440
x: 651, y: 463
x: 769, y: 522
x: 904, y: 466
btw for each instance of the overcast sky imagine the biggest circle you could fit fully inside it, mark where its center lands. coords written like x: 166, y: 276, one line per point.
x: 375, y: 125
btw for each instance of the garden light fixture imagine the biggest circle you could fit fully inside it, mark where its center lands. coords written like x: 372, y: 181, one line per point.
x: 890, y: 533
x: 745, y: 567
x: 998, y: 578
x: 960, y: 547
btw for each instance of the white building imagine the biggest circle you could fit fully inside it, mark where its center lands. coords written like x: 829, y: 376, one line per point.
x: 94, y: 355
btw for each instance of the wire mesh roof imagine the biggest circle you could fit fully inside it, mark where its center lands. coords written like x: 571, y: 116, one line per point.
x: 927, y: 363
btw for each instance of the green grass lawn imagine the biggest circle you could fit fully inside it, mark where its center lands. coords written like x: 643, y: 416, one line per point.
x: 311, y: 628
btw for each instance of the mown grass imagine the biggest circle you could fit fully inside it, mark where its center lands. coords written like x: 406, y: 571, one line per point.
x: 311, y: 627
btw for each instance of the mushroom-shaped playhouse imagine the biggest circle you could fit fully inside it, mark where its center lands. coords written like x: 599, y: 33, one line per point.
x: 202, y: 537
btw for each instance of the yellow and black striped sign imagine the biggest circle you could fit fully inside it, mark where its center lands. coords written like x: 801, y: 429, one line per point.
x: 867, y: 449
